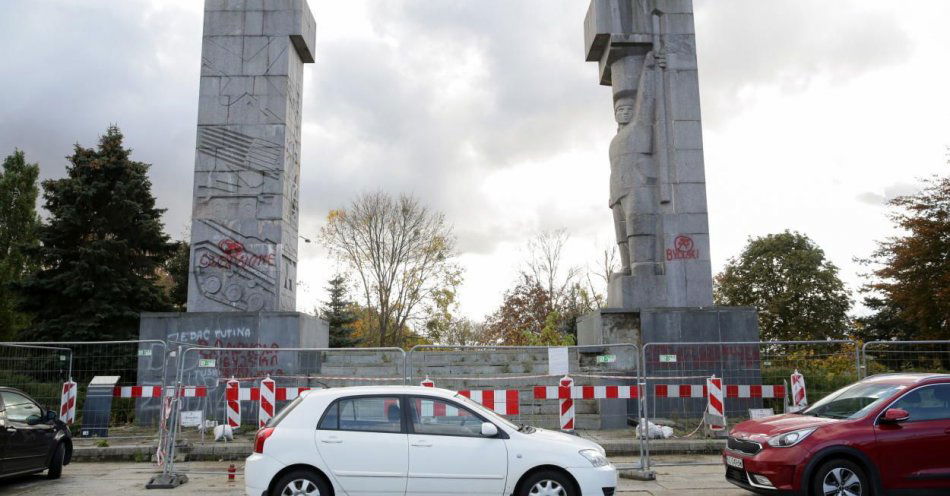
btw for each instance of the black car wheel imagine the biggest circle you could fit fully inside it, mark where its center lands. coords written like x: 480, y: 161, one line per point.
x: 841, y: 478
x: 56, y: 464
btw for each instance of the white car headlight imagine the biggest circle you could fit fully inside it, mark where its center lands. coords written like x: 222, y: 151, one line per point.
x: 790, y: 438
x: 596, y: 458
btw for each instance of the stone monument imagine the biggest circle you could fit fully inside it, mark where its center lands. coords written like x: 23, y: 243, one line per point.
x: 242, y: 274
x: 646, y: 53
x: 247, y: 161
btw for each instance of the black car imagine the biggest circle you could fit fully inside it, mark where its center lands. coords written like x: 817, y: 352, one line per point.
x: 32, y: 438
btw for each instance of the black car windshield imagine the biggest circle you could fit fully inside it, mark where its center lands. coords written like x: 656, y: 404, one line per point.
x: 854, y: 401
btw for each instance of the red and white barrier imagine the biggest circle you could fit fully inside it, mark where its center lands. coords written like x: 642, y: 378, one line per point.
x: 232, y: 394
x: 799, y: 394
x: 566, y: 392
x: 566, y: 406
x: 281, y: 393
x: 715, y: 411
x: 156, y: 392
x: 268, y: 394
x: 67, y: 403
x: 586, y: 392
x: 163, y: 429
x: 732, y: 391
x: 500, y: 401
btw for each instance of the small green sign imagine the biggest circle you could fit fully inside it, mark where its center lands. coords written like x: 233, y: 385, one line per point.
x: 206, y: 362
x: 606, y: 358
x: 62, y: 358
x: 145, y: 353
x: 667, y: 358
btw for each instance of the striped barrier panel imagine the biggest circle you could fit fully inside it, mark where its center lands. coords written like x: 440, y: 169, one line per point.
x: 586, y: 392
x: 67, y: 405
x: 715, y: 411
x: 268, y: 394
x: 233, y: 403
x: 156, y: 392
x: 799, y: 396
x: 732, y: 391
x: 500, y: 401
x: 254, y: 393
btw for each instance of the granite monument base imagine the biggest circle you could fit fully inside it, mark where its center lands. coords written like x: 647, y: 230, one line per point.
x: 238, y: 330
x: 667, y: 361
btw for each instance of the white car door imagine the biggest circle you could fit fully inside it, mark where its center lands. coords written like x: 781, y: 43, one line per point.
x: 449, y: 455
x: 363, y: 441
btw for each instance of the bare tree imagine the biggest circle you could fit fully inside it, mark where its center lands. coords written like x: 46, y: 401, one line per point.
x: 399, y: 250
x: 544, y: 265
x: 606, y: 266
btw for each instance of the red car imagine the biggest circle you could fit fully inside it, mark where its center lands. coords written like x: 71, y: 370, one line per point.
x: 888, y: 434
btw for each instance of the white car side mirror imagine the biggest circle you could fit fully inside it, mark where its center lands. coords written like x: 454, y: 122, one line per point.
x: 489, y: 429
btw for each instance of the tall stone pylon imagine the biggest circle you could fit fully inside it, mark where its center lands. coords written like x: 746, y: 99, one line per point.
x: 646, y: 51
x: 247, y: 159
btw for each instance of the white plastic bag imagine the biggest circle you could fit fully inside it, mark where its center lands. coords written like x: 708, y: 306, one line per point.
x: 223, y: 432
x: 654, y: 431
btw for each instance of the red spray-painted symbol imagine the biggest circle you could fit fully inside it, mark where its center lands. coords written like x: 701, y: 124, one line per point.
x: 683, y: 249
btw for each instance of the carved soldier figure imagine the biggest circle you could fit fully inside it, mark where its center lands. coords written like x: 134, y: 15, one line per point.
x: 633, y: 168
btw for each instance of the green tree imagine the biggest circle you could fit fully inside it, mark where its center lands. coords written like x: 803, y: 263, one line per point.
x: 909, y: 293
x: 444, y: 325
x: 19, y: 226
x: 787, y: 279
x: 175, y: 278
x: 103, y: 248
x: 340, y: 313
x: 522, y: 315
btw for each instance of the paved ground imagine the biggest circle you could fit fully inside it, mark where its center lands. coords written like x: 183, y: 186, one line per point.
x: 114, y: 479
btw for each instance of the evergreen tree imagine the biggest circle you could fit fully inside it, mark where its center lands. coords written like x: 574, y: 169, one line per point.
x: 176, y: 269
x: 103, y: 249
x: 338, y: 312
x: 19, y: 227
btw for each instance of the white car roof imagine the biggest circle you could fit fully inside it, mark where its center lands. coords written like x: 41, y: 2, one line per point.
x: 337, y: 392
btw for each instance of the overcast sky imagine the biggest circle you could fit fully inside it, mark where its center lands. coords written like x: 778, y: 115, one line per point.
x: 814, y: 113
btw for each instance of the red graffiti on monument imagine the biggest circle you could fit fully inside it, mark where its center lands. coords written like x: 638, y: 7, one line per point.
x: 683, y: 249
x: 235, y: 255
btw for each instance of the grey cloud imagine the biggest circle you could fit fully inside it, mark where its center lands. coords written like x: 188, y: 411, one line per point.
x: 376, y: 114
x: 747, y: 43
x: 73, y: 68
x: 890, y: 192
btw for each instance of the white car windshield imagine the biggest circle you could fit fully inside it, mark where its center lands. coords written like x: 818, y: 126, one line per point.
x: 484, y: 411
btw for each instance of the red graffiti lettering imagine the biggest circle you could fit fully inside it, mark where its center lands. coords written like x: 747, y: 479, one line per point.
x: 235, y: 255
x: 683, y: 249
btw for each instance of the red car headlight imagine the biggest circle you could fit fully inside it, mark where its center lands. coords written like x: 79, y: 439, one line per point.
x: 789, y: 439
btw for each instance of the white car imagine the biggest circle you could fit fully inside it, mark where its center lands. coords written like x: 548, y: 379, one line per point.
x: 410, y: 440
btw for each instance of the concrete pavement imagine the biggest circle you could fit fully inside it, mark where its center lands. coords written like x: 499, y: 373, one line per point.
x: 114, y: 479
